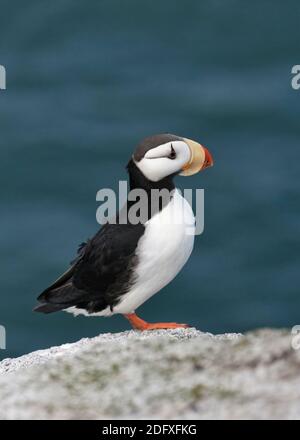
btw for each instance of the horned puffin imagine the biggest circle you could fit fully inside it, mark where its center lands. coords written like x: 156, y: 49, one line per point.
x: 125, y: 264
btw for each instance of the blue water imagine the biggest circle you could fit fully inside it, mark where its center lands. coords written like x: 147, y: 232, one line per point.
x: 85, y: 82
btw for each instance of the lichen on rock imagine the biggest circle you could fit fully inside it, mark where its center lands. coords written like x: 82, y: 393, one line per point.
x: 171, y: 374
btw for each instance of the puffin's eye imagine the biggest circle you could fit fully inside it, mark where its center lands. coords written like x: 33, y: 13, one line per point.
x: 172, y: 154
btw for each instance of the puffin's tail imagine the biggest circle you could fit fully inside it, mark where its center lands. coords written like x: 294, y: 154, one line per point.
x: 60, y: 295
x: 49, y: 308
x: 59, y: 298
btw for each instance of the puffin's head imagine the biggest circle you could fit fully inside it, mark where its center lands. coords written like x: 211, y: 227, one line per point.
x: 165, y: 155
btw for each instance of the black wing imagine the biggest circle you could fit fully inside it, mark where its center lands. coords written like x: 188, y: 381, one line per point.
x: 100, y: 275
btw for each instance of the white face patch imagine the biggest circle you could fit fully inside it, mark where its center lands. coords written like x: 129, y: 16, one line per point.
x: 164, y: 160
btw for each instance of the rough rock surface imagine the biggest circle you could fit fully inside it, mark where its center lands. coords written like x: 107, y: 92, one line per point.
x: 163, y: 374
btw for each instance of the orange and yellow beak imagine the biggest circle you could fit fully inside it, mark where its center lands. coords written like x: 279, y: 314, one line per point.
x: 199, y: 160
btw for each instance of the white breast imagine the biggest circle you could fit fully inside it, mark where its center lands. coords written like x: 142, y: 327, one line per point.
x: 162, y: 252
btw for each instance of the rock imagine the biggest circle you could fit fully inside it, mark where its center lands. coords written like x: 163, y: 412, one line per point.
x: 175, y: 374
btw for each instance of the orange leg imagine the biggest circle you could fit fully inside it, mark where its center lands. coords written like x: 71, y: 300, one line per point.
x: 139, y: 324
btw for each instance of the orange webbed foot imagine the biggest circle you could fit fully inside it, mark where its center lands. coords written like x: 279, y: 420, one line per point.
x: 139, y: 324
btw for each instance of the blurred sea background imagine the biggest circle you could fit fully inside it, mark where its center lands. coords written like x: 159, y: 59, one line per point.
x: 85, y: 82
